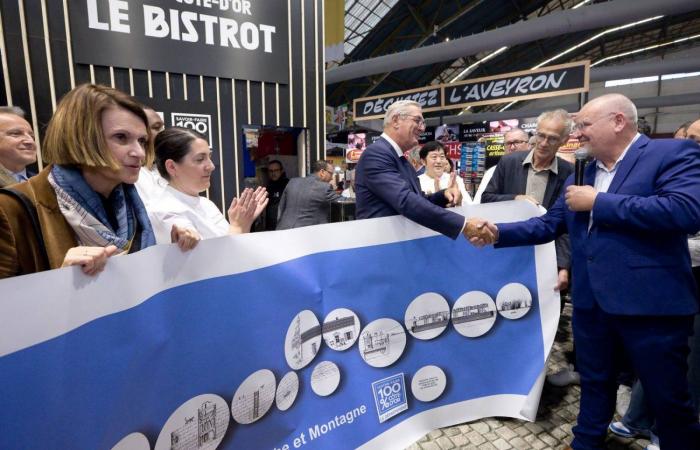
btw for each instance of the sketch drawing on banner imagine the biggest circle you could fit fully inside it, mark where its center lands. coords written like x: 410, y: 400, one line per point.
x: 428, y: 383
x: 427, y: 316
x: 474, y: 314
x: 200, y: 423
x: 254, y: 397
x: 303, y: 340
x: 133, y: 441
x: 287, y: 391
x: 514, y: 301
x: 341, y: 327
x: 325, y: 378
x: 201, y: 123
x: 382, y: 342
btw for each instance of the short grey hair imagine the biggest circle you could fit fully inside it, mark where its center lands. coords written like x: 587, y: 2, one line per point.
x: 14, y: 110
x: 397, y: 109
x: 516, y: 130
x: 414, y: 154
x: 557, y: 114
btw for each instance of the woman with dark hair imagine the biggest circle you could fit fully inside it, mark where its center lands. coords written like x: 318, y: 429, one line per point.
x: 436, y: 177
x: 83, y: 207
x: 183, y: 158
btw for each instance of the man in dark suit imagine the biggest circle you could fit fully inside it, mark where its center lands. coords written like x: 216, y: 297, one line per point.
x: 386, y: 184
x: 17, y: 146
x: 306, y: 201
x: 633, y: 287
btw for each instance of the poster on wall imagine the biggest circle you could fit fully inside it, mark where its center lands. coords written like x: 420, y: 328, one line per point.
x: 357, y: 143
x: 276, y: 348
x: 239, y: 39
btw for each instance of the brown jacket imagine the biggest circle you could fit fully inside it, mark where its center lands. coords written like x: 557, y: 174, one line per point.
x: 20, y: 253
x: 6, y: 177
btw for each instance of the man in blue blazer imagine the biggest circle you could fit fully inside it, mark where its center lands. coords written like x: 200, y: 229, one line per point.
x: 633, y: 286
x: 386, y: 184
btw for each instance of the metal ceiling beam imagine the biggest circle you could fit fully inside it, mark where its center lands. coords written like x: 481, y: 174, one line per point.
x: 557, y: 23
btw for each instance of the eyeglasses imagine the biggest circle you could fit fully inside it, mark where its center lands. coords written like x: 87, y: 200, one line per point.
x: 514, y: 143
x: 580, y: 126
x: 417, y: 119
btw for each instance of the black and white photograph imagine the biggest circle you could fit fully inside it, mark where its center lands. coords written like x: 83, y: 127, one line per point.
x: 287, y: 391
x: 200, y: 423
x: 325, y: 378
x: 254, y: 397
x: 382, y: 342
x: 474, y: 314
x: 427, y: 316
x: 303, y: 340
x: 514, y: 301
x: 341, y: 327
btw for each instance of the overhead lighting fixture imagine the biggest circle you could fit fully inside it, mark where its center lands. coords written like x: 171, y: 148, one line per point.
x: 478, y: 62
x: 645, y: 49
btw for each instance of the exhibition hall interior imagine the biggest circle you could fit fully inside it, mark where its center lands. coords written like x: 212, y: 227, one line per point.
x: 340, y: 224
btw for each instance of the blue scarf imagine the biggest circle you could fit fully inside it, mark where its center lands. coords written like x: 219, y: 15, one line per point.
x: 85, y: 212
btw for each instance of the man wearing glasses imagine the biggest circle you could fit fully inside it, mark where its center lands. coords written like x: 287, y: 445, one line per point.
x: 515, y: 140
x: 538, y: 176
x: 633, y: 288
x: 386, y: 183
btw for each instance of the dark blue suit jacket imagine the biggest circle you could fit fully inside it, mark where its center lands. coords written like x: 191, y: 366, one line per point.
x: 635, y: 259
x: 386, y: 185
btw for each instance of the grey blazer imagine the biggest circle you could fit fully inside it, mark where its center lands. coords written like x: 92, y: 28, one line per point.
x: 305, y: 201
x: 510, y: 179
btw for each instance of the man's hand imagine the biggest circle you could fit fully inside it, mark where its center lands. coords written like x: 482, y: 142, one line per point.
x: 480, y: 232
x: 527, y: 198
x: 91, y: 259
x: 452, y: 193
x: 562, y: 280
x: 185, y: 238
x: 580, y: 198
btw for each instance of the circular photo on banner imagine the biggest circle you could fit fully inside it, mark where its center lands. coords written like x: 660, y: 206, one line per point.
x: 303, y: 340
x: 341, y: 327
x: 287, y: 391
x: 427, y: 316
x: 514, y: 301
x: 473, y: 314
x: 428, y: 383
x: 382, y: 342
x: 325, y: 378
x: 254, y: 397
x: 200, y: 423
x: 133, y: 441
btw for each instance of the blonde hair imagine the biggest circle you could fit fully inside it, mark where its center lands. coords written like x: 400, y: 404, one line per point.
x: 74, y: 135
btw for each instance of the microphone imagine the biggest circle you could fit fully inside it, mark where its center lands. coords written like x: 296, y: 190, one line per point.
x: 581, y: 156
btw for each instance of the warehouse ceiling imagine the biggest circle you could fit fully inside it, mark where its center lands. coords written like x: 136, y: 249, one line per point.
x: 378, y: 27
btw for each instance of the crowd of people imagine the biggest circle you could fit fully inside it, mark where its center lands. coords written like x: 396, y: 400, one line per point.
x: 627, y: 240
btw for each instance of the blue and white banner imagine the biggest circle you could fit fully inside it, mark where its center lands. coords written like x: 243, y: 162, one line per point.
x: 359, y: 334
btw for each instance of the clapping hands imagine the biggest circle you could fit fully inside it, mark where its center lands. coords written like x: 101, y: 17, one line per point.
x: 452, y: 193
x: 480, y: 232
x: 245, y: 209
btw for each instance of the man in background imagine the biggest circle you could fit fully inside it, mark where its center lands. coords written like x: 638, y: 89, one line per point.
x: 515, y: 140
x: 276, y: 183
x: 306, y: 201
x: 17, y: 146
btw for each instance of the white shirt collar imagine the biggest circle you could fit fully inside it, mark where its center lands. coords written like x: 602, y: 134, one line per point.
x: 396, y: 147
x: 601, y: 166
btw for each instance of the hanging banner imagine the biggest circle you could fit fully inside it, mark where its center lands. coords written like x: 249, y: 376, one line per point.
x: 239, y: 39
x: 564, y: 79
x: 429, y: 97
x: 550, y: 81
x: 266, y: 341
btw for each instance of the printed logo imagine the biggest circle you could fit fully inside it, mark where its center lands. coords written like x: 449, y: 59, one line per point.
x: 390, y: 396
x: 201, y: 123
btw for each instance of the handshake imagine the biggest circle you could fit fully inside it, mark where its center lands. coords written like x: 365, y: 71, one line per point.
x: 480, y: 232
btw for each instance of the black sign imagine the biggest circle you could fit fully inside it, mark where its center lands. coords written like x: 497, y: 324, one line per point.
x: 469, y: 132
x: 427, y: 135
x: 241, y: 39
x: 545, y: 82
x: 367, y: 108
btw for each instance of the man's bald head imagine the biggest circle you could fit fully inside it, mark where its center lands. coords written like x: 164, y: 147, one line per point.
x: 613, y: 103
x: 693, y: 131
